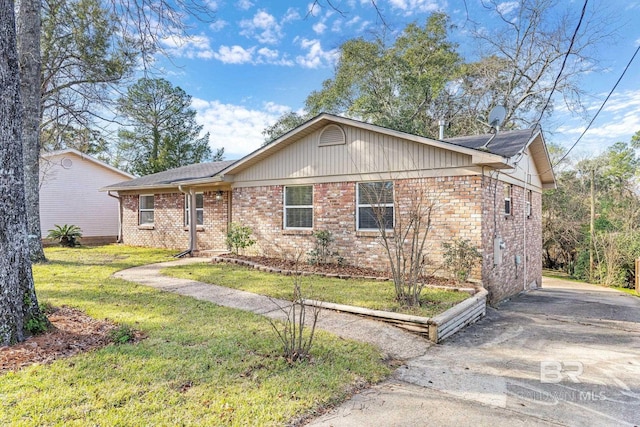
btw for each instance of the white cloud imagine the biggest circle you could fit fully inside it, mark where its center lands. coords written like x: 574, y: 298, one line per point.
x: 316, y: 57
x: 291, y: 15
x: 507, y: 7
x: 319, y: 27
x: 234, y: 54
x: 618, y: 121
x: 244, y: 4
x: 410, y: 7
x: 218, y: 25
x: 235, y: 127
x: 188, y: 47
x: 313, y: 9
x: 263, y: 27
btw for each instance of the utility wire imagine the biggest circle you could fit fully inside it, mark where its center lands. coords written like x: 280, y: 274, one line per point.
x: 601, y: 107
x: 564, y: 62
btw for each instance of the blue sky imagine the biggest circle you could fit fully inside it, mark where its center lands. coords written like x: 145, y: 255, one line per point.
x: 259, y: 59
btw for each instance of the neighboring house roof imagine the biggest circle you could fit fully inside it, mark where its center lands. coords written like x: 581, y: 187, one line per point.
x: 172, y: 177
x: 51, y: 154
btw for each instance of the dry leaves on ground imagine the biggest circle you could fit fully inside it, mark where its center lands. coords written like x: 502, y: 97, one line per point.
x: 73, y: 332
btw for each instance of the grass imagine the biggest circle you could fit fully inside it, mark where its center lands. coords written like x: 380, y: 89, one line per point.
x: 630, y: 291
x: 565, y: 276
x: 375, y: 295
x: 200, y: 364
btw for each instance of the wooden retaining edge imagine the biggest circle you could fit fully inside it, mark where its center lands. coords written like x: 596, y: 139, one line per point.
x: 417, y: 324
x: 435, y: 328
x: 454, y: 319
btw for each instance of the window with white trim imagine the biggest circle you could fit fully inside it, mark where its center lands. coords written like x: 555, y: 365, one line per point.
x: 145, y: 209
x: 528, y: 204
x: 374, y: 205
x: 298, y: 207
x: 508, y: 207
x: 199, y: 209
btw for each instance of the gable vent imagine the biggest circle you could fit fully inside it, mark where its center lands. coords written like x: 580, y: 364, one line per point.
x: 332, y: 135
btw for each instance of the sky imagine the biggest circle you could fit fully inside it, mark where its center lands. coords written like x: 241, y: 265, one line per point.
x: 260, y: 59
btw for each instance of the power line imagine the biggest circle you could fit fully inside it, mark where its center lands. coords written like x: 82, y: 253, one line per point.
x: 601, y: 107
x: 564, y: 62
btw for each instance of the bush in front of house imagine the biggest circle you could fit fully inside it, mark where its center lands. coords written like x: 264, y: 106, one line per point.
x: 239, y: 237
x: 460, y: 256
x: 67, y: 235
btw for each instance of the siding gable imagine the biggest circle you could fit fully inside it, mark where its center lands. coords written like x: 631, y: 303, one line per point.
x: 365, y: 152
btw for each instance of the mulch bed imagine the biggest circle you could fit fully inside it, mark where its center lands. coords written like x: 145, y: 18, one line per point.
x: 72, y: 332
x: 330, y: 270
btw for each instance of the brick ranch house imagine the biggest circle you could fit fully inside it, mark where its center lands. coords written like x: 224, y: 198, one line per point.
x: 316, y: 177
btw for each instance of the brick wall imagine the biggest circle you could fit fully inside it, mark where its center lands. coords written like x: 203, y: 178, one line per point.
x: 457, y: 214
x: 521, y: 235
x: 168, y: 230
x: 465, y: 207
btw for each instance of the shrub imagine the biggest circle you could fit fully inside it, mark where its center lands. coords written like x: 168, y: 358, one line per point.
x: 37, y: 324
x: 122, y: 334
x: 295, y: 333
x: 321, y: 253
x: 460, y: 257
x: 66, y: 235
x: 239, y: 237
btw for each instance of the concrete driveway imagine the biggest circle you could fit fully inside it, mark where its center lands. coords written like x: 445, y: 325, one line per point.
x: 567, y: 354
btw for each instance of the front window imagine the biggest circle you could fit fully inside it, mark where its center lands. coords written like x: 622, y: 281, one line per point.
x: 199, y: 209
x: 298, y: 207
x: 145, y: 203
x: 375, y: 205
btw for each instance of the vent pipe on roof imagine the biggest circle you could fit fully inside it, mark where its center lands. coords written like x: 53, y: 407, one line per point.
x: 441, y: 124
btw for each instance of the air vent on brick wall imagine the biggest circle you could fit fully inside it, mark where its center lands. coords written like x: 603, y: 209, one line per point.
x: 332, y: 135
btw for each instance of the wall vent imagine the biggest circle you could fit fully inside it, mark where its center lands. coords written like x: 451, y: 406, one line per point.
x: 332, y: 135
x: 66, y: 163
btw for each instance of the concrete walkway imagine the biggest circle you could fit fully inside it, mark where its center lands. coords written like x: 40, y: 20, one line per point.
x: 395, y: 343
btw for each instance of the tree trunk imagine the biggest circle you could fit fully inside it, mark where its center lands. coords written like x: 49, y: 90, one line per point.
x: 28, y: 41
x: 17, y: 294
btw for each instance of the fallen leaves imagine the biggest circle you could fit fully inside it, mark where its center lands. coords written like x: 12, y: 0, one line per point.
x: 73, y: 332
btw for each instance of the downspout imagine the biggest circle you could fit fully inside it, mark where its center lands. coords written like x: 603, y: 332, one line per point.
x: 119, y: 238
x: 524, y: 231
x: 193, y: 218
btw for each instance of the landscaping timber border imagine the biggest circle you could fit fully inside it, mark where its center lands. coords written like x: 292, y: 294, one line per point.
x: 435, y: 328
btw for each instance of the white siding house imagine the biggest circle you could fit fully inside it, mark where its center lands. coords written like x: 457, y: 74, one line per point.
x: 69, y: 183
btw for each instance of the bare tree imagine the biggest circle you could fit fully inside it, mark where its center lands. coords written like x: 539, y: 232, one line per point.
x: 296, y: 332
x: 536, y: 49
x: 403, y: 234
x: 18, y: 303
x: 144, y: 22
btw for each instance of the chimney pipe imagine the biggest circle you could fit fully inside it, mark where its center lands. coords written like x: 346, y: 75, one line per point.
x: 441, y: 123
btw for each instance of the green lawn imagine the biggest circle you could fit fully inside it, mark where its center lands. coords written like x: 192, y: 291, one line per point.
x: 378, y: 295
x: 200, y: 364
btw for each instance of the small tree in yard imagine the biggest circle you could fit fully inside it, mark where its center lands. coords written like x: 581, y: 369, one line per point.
x: 295, y: 335
x: 239, y: 237
x: 403, y: 235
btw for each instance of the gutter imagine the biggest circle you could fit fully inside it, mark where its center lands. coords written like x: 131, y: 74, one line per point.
x: 119, y: 238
